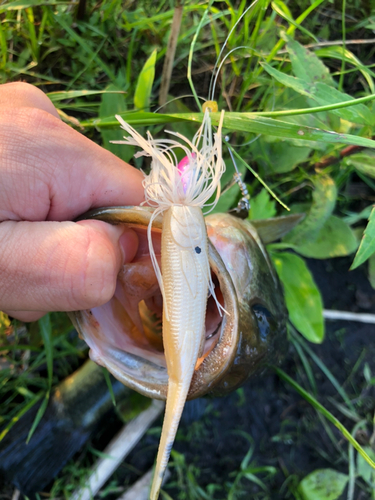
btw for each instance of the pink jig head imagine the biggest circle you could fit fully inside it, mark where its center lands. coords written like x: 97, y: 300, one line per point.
x: 186, y: 170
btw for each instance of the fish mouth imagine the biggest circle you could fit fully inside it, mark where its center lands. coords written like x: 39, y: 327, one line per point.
x: 125, y: 334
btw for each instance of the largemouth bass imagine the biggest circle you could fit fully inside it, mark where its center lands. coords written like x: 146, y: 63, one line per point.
x: 125, y: 334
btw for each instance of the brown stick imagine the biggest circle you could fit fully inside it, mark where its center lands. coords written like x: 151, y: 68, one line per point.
x: 169, y: 56
x: 331, y: 160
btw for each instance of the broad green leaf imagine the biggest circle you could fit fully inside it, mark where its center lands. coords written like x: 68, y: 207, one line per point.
x: 306, y: 65
x: 363, y: 162
x: 144, y: 83
x: 245, y: 122
x: 279, y: 156
x: 323, y: 484
x: 367, y: 245
x: 112, y: 104
x: 302, y: 296
x: 335, y: 239
x: 371, y: 270
x: 324, y: 95
x: 364, y: 469
x: 324, y: 199
x: 261, y: 206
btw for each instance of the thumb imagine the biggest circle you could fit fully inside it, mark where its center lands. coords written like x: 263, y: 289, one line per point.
x: 60, y: 266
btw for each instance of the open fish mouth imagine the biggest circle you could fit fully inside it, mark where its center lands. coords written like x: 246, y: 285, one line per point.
x: 125, y: 334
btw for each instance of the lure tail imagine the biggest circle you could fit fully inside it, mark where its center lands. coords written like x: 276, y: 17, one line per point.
x: 175, y: 404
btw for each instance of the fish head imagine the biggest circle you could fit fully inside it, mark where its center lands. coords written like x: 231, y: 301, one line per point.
x: 125, y: 334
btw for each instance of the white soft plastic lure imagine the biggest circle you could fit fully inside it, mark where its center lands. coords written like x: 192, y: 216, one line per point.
x: 180, y: 191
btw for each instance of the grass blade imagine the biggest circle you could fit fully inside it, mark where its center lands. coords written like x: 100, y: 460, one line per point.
x: 38, y: 416
x: 241, y: 122
x: 85, y: 46
x: 46, y: 334
x: 23, y: 410
x: 320, y: 408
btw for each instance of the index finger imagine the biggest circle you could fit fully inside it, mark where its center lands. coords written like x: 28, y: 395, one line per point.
x: 51, y: 172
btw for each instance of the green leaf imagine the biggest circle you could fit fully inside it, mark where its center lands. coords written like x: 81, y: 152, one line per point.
x: 72, y: 94
x: 302, y: 297
x: 46, y: 334
x: 363, y: 162
x: 144, y: 83
x: 367, y: 245
x: 371, y: 270
x: 335, y: 239
x: 354, y: 217
x: 38, y: 416
x: 22, y: 412
x: 112, y: 104
x: 109, y: 385
x: 244, y: 122
x: 341, y: 53
x: 324, y: 95
x: 279, y: 156
x: 323, y: 484
x: 24, y: 4
x: 262, y: 207
x: 86, y: 47
x: 364, y: 469
x: 324, y: 200
x: 306, y: 65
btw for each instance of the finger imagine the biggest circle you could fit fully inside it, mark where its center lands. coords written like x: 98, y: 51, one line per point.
x: 61, y: 266
x: 24, y: 95
x: 51, y: 172
x: 25, y: 316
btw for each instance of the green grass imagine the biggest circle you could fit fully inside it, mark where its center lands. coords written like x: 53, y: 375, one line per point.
x: 287, y: 122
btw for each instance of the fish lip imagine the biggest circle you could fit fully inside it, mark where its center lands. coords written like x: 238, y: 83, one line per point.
x: 154, y: 383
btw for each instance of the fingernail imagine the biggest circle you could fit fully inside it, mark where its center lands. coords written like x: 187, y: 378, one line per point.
x: 128, y: 242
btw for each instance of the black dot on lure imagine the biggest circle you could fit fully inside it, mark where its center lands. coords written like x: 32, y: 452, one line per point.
x: 197, y: 250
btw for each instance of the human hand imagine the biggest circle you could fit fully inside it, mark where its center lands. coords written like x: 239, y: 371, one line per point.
x: 50, y: 174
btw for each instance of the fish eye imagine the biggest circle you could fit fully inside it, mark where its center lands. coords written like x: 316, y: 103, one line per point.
x: 265, y: 320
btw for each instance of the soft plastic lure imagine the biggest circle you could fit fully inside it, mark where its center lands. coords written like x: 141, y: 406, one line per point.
x: 180, y: 191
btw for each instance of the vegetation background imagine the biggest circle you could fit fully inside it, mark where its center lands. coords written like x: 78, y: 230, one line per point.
x: 297, y: 82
